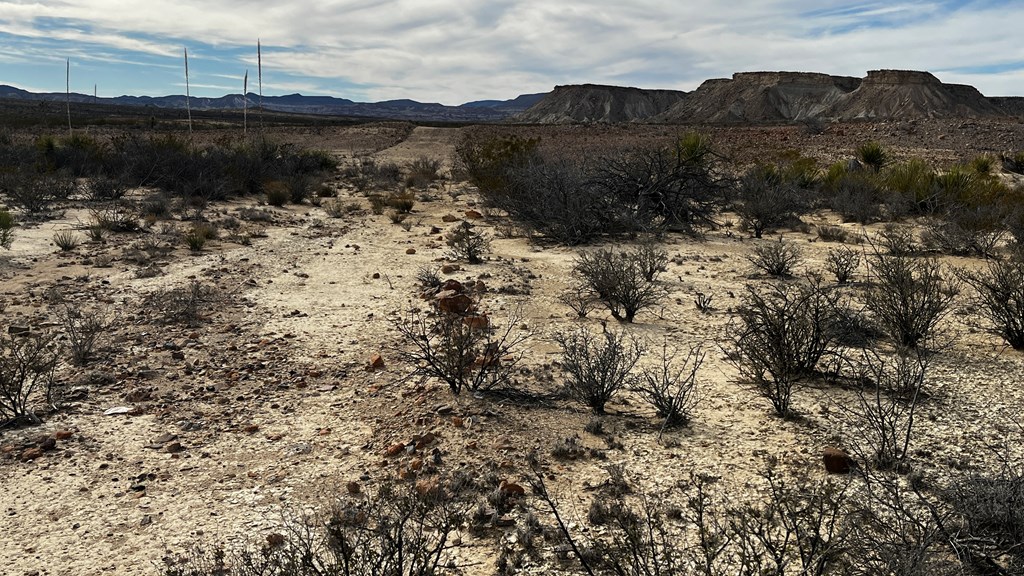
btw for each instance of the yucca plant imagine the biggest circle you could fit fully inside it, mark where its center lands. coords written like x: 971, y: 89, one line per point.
x: 872, y: 154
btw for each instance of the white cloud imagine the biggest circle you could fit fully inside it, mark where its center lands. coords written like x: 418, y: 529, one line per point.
x: 454, y: 51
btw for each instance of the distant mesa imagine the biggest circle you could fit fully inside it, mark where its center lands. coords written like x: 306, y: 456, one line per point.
x: 746, y: 98
x: 775, y: 97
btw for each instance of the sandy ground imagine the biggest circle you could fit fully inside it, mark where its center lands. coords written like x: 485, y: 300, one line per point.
x: 272, y: 408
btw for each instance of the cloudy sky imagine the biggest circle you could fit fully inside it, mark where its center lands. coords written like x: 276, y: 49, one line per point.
x: 454, y: 51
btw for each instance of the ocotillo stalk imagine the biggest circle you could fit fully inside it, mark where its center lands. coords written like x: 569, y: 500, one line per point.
x: 67, y: 92
x: 245, y: 103
x: 188, y: 99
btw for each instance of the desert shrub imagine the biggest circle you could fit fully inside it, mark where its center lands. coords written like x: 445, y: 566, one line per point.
x: 983, y: 164
x: 195, y: 239
x: 490, y: 164
x: 27, y: 364
x: 785, y: 330
x: 999, y: 290
x: 183, y: 304
x: 914, y: 182
x: 766, y: 200
x: 402, y: 203
x: 652, y: 260
x: 429, y: 278
x: 84, y: 329
x: 36, y: 193
x: 65, y: 240
x: 670, y: 386
x: 103, y: 188
x: 677, y: 188
x: 367, y: 174
x: 333, y: 208
x: 78, y: 155
x: 7, y: 224
x: 872, y: 155
x: 397, y: 217
x: 884, y: 413
x: 299, y: 186
x: 277, y: 193
x: 395, y: 531
x: 909, y: 297
x: 830, y: 233
x: 597, y: 366
x: 115, y: 217
x: 579, y: 298
x: 775, y: 258
x: 377, y: 203
x: 842, y: 262
x: 855, y: 197
x: 447, y: 347
x: 422, y: 172
x: 465, y: 243
x: 618, y: 281
x: 965, y: 231
x: 896, y: 239
x: 990, y: 509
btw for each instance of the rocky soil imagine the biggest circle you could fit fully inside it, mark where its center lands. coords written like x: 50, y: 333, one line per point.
x: 273, y: 400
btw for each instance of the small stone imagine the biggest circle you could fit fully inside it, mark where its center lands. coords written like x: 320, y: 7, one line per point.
x: 416, y: 464
x: 146, y: 520
x: 511, y: 488
x: 353, y: 487
x: 837, y: 461
x: 376, y: 276
x: 18, y: 330
x: 117, y: 410
x: 31, y: 454
x: 275, y: 540
x: 449, y: 218
x: 174, y: 448
x: 63, y: 434
x: 251, y: 429
x: 394, y: 450
x: 450, y: 268
x: 428, y: 487
x: 473, y: 215
x: 457, y: 421
x: 376, y: 362
x: 47, y: 443
x: 410, y: 250
x: 476, y: 321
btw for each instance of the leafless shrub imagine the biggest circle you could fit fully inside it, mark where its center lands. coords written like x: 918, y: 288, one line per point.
x: 116, y: 217
x: 7, y: 224
x: 909, y: 297
x: 396, y: 531
x: 832, y: 233
x: 450, y: 349
x: 619, y: 281
x: 703, y: 300
x: 597, y: 365
x: 766, y: 200
x: 83, y: 329
x: 652, y: 260
x: 784, y: 332
x: 897, y: 239
x: 842, y: 262
x: 776, y: 258
x: 183, y: 304
x: 579, y: 298
x: 999, y: 290
x: 670, y: 385
x: 27, y: 364
x: 465, y: 243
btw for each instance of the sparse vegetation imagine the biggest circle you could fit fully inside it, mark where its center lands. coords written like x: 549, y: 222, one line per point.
x: 7, y: 224
x: 465, y: 243
x: 27, y: 364
x: 619, y: 280
x: 671, y: 386
x: 909, y: 297
x: 775, y: 258
x: 999, y: 290
x: 598, y: 366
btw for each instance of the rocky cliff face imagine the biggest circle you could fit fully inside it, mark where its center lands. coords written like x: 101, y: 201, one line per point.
x: 594, y: 103
x: 888, y: 94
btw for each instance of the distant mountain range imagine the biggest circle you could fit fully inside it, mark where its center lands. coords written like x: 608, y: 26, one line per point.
x: 481, y: 111
x: 746, y: 98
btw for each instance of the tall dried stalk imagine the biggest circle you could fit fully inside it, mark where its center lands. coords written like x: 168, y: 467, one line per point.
x: 259, y: 70
x: 188, y: 99
x: 245, y: 103
x: 67, y: 92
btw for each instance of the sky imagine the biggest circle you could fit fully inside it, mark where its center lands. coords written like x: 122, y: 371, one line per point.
x: 455, y: 51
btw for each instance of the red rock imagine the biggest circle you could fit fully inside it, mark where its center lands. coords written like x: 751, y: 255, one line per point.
x: 410, y: 250
x: 251, y: 429
x: 376, y: 362
x: 453, y: 286
x: 476, y: 321
x: 449, y: 218
x: 395, y: 449
x: 457, y: 421
x: 48, y: 443
x: 837, y: 461
x: 31, y: 454
x: 424, y: 440
x: 450, y: 268
x: 473, y: 215
x: 63, y: 434
x: 455, y: 304
x: 428, y: 487
x: 511, y: 488
x: 416, y: 464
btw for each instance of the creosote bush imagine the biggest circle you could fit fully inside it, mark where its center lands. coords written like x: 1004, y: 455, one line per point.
x: 842, y: 262
x: 767, y: 199
x: 597, y: 366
